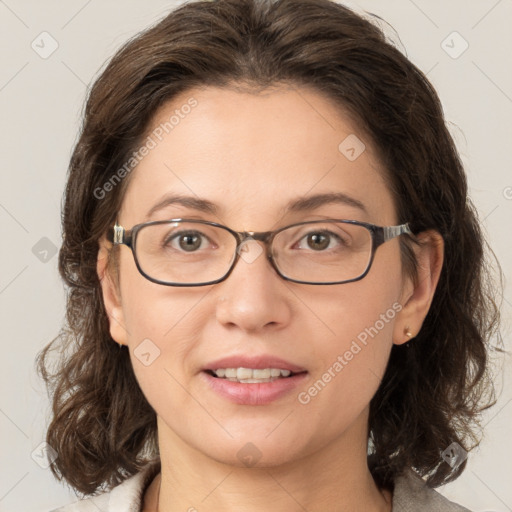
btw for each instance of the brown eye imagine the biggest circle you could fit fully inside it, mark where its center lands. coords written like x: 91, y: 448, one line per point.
x: 318, y: 241
x: 189, y: 242
x: 186, y: 241
x: 321, y: 241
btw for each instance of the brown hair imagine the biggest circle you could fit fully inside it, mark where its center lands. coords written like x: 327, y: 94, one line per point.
x: 103, y: 429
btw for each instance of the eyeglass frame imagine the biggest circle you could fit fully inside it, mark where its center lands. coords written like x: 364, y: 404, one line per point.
x: 118, y: 235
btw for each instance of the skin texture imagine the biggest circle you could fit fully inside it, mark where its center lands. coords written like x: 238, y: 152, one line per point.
x: 250, y: 154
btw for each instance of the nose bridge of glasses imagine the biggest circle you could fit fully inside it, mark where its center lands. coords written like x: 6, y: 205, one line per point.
x: 259, y: 236
x: 245, y: 252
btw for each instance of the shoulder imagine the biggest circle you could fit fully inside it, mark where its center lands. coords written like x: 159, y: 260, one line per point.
x: 411, y: 493
x: 126, y: 497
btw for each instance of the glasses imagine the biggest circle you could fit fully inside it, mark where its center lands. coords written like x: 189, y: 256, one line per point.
x: 189, y: 252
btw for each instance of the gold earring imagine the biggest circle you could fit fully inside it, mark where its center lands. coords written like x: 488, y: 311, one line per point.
x: 407, y: 332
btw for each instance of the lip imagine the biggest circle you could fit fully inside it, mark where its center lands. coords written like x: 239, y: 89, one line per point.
x: 253, y: 393
x: 256, y: 362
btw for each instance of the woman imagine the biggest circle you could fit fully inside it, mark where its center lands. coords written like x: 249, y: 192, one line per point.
x: 299, y: 317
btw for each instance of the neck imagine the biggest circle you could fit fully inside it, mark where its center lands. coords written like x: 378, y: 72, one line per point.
x: 335, y: 477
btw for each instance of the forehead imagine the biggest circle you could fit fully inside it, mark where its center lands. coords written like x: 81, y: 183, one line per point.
x: 252, y: 154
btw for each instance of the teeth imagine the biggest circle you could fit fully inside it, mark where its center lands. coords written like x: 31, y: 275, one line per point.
x: 246, y: 373
x: 249, y: 375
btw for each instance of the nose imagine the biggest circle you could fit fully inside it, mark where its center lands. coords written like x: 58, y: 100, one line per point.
x: 253, y: 297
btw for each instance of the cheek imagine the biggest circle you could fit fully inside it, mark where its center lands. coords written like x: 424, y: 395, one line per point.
x: 352, y: 366
x: 164, y: 326
x: 353, y: 351
x: 154, y: 311
x: 162, y: 343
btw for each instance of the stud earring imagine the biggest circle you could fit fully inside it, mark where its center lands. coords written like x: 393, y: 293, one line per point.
x: 407, y: 332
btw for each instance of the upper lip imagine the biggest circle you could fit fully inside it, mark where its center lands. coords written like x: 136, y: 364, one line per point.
x: 256, y: 362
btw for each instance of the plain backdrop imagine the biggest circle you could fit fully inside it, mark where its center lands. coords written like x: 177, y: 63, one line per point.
x: 465, y: 49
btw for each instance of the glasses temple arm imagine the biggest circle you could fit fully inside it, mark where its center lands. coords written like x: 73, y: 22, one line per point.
x: 390, y: 232
x: 115, y: 234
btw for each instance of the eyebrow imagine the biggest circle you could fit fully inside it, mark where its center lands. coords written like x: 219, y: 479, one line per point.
x: 297, y: 205
x: 195, y: 203
x: 317, y: 200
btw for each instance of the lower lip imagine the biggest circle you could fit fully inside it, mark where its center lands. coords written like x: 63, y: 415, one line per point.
x: 254, y: 393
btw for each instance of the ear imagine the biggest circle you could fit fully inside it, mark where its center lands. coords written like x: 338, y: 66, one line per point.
x: 417, y: 294
x: 111, y: 296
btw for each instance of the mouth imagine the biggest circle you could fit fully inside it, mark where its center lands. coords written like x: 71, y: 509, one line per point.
x: 252, y: 375
x: 256, y: 380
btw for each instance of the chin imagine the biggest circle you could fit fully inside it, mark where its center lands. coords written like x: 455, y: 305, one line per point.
x: 257, y: 451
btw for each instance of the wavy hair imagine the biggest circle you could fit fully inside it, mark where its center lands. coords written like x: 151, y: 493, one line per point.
x: 434, y: 388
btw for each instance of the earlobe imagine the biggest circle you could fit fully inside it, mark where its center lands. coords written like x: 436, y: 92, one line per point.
x: 111, y: 297
x: 417, y: 294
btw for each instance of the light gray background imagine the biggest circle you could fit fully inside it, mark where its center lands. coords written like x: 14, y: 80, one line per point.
x: 41, y: 101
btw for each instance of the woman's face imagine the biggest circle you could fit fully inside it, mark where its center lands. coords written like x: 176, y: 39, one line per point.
x: 250, y: 156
